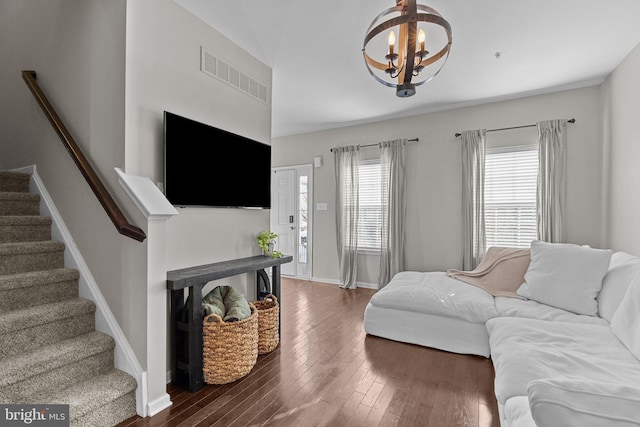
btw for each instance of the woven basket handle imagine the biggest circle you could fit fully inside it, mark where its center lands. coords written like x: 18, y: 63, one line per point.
x: 271, y: 296
x: 217, y: 316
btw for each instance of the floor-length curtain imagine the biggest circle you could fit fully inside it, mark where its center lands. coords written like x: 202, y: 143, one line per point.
x: 551, y: 179
x: 346, y: 172
x: 393, y: 208
x: 473, y: 229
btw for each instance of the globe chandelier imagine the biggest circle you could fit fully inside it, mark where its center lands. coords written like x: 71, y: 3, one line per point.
x: 410, y: 29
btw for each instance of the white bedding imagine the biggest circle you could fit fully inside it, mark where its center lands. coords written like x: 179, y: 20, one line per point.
x: 515, y: 307
x: 437, y: 294
x: 433, y: 310
x: 527, y: 349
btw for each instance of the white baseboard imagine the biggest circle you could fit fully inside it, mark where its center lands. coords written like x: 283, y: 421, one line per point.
x: 337, y: 282
x: 124, y: 357
x: 159, y: 404
x: 367, y: 285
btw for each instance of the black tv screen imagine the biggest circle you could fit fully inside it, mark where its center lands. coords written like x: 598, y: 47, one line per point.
x: 210, y: 167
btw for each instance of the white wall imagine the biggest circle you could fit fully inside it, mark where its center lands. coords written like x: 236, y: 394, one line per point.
x: 433, y: 240
x: 163, y: 73
x: 621, y: 111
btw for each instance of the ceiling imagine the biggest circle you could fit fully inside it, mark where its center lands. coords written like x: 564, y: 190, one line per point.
x: 320, y: 80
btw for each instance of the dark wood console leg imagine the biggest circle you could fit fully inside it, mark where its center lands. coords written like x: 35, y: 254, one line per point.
x: 196, y: 380
x: 263, y: 284
x: 275, y: 282
x: 177, y: 305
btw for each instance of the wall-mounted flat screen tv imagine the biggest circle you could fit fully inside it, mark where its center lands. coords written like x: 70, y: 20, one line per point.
x: 209, y: 167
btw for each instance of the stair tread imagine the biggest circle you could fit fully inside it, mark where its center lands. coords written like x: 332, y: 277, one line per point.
x: 17, y: 195
x: 7, y: 220
x: 89, y: 395
x: 22, y: 176
x: 35, y: 278
x: 15, y: 248
x: 14, y: 181
x: 19, y: 367
x: 41, y: 314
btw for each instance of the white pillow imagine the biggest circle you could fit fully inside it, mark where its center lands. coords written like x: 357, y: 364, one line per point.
x: 625, y: 323
x: 575, y: 403
x: 565, y: 276
x: 615, y: 285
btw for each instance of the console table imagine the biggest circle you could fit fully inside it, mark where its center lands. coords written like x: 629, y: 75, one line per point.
x: 186, y: 319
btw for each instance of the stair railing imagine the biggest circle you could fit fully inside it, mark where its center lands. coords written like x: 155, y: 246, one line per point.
x: 113, y: 211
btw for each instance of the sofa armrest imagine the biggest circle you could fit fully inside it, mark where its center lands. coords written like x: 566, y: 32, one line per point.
x: 566, y: 402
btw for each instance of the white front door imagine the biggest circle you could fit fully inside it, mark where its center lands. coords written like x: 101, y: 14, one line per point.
x: 291, y: 217
x: 283, y: 215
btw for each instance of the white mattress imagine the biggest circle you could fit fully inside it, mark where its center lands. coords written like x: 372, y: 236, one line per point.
x: 433, y: 310
x: 523, y: 350
x: 430, y: 330
x: 436, y: 293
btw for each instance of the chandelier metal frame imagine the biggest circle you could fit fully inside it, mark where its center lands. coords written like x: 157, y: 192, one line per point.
x: 398, y: 66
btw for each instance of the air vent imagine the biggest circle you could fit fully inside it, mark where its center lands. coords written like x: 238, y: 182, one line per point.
x: 222, y: 70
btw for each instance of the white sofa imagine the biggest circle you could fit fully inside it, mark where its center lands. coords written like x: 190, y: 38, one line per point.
x: 554, y: 367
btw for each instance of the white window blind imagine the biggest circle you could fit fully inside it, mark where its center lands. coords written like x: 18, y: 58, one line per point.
x: 370, y: 212
x: 510, y: 196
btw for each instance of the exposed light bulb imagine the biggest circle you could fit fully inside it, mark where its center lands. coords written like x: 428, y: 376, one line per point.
x: 392, y: 38
x: 392, y: 42
x: 421, y: 39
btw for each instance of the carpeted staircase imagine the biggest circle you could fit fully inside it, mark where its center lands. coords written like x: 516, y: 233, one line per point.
x: 50, y: 352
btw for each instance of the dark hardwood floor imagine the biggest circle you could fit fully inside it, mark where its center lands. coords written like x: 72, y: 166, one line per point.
x: 328, y: 372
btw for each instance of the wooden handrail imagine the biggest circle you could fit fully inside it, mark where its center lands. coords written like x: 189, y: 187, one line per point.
x: 117, y: 217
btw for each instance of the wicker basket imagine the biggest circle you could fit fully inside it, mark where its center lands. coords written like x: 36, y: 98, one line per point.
x: 268, y: 323
x: 230, y: 349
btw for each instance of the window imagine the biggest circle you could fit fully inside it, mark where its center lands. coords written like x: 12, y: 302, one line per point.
x: 303, y: 216
x: 370, y: 206
x: 510, y: 196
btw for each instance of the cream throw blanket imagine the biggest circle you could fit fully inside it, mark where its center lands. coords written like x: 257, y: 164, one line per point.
x: 501, y: 271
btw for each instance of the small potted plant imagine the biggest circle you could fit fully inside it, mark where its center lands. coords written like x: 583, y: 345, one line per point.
x: 266, y: 240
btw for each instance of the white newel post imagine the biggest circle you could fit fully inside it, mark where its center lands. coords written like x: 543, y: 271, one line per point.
x: 157, y: 210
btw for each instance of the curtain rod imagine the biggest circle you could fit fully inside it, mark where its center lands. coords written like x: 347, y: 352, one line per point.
x: 374, y: 145
x: 517, y: 127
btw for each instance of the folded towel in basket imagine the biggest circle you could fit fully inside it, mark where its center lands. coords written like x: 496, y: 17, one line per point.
x: 226, y: 302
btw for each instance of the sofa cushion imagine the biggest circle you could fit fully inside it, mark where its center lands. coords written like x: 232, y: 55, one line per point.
x: 626, y: 321
x: 621, y: 257
x: 578, y: 403
x: 565, y: 276
x: 435, y: 293
x: 523, y: 350
x: 623, y: 270
x: 517, y: 412
x: 515, y: 307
